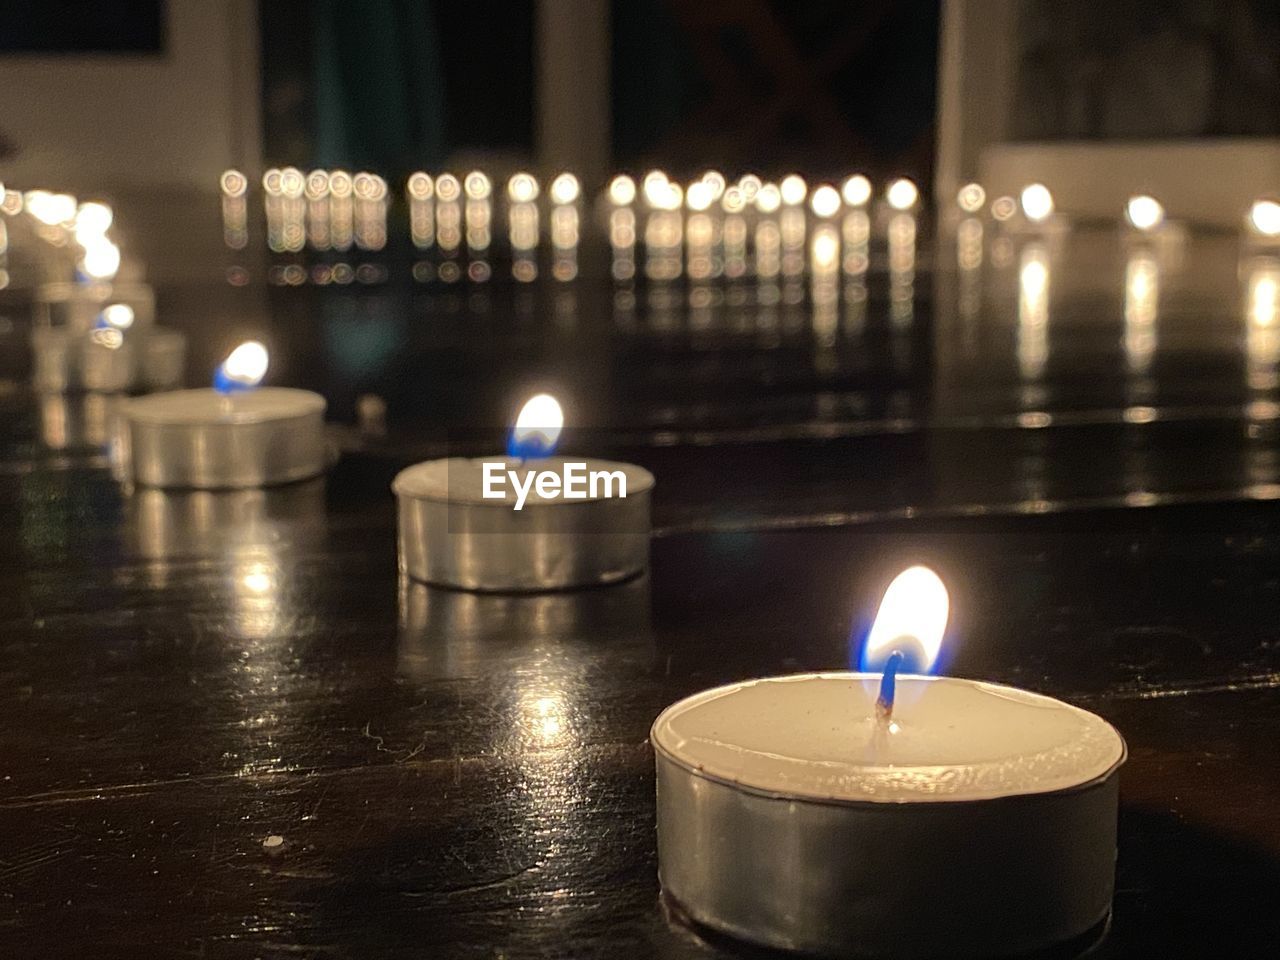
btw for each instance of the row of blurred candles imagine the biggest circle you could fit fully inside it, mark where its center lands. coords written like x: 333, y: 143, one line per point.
x: 326, y: 210
x: 334, y: 210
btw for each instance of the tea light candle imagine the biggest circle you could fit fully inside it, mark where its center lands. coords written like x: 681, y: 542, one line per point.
x: 508, y: 524
x: 887, y: 816
x: 234, y: 435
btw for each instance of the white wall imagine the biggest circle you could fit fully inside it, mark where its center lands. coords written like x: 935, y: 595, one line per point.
x: 1205, y: 180
x: 108, y: 123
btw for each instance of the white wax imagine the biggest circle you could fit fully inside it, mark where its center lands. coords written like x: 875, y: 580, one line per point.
x: 461, y: 479
x: 207, y: 406
x: 817, y: 736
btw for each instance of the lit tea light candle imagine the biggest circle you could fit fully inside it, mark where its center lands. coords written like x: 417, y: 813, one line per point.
x: 236, y: 434
x: 527, y: 521
x: 882, y: 814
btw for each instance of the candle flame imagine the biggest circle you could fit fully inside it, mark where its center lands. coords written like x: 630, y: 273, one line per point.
x: 243, y: 369
x: 537, y: 428
x: 118, y: 315
x: 911, y: 620
x: 101, y: 259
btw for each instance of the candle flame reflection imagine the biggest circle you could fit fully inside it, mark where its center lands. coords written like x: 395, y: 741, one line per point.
x: 911, y: 620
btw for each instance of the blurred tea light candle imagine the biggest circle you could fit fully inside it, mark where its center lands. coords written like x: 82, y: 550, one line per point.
x: 293, y: 208
x: 856, y: 191
x: 522, y: 226
x: 901, y: 194
x: 233, y: 185
x: 448, y: 212
x: 825, y: 201
x: 479, y: 212
x: 971, y: 197
x: 564, y: 192
x: 319, y: 221
x: 1264, y: 219
x: 793, y: 190
x: 420, y: 191
x: 235, y: 434
x: 1037, y: 203
x: 879, y: 814
x: 500, y: 523
x: 341, y: 210
x: 1143, y: 213
x: 622, y: 191
x: 370, y: 211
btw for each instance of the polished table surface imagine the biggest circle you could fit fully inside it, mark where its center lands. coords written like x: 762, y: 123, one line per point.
x: 1089, y: 464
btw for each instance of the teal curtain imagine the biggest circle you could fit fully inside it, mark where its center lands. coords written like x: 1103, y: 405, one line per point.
x: 379, y: 91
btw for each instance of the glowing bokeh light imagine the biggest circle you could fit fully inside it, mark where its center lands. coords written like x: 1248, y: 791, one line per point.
x: 971, y: 197
x: 1037, y: 202
x: 902, y: 194
x: 749, y: 184
x: 1264, y: 217
x: 477, y: 185
x: 714, y: 179
x: 420, y: 186
x: 794, y: 189
x: 825, y: 201
x: 565, y: 189
x: 856, y: 190
x: 699, y: 196
x: 448, y: 188
x: 522, y: 188
x: 118, y: 315
x: 233, y: 183
x: 768, y: 198
x: 101, y: 259
x: 1144, y: 213
x: 622, y: 190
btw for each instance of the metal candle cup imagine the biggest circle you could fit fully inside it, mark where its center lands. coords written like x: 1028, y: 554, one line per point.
x: 451, y: 536
x: 202, y: 439
x: 788, y: 817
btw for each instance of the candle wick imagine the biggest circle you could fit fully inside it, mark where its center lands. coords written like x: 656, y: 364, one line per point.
x: 888, y: 687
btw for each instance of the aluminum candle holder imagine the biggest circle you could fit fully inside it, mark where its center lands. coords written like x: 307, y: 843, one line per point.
x: 984, y: 825
x: 203, y: 439
x: 76, y: 307
x: 106, y: 360
x: 450, y: 535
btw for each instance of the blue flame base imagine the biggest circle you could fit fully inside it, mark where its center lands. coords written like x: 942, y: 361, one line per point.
x: 535, y: 446
x: 226, y: 385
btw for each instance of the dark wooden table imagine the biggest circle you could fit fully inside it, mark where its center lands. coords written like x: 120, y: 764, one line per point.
x: 184, y: 675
